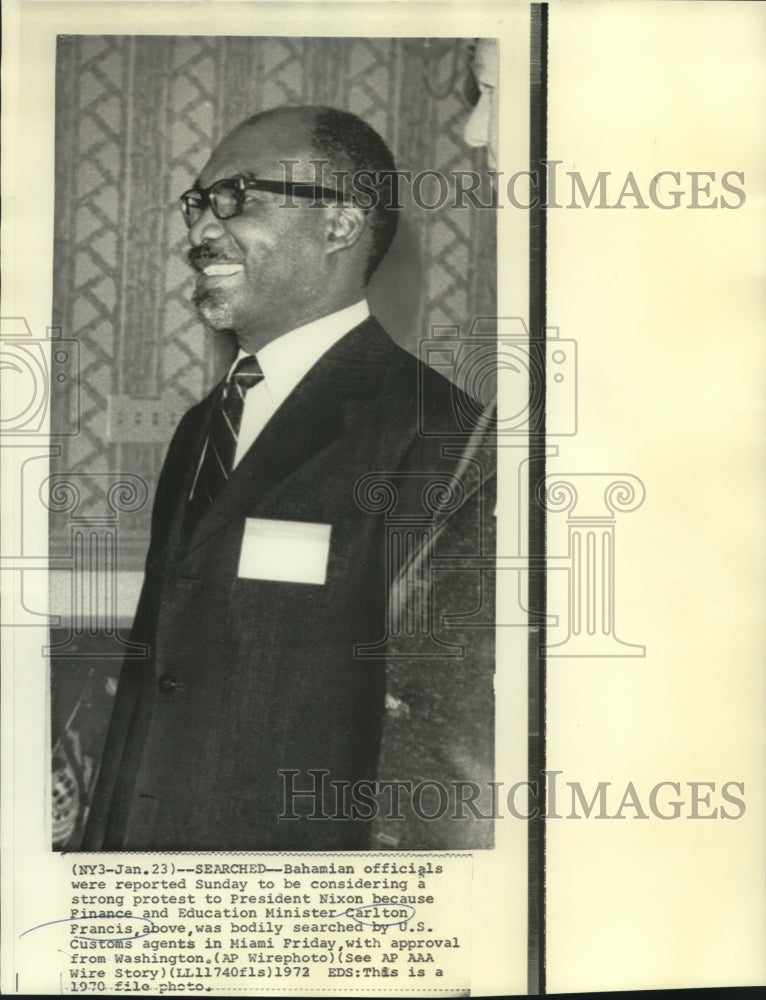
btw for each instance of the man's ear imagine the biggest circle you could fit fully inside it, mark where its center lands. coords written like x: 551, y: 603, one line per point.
x: 345, y: 227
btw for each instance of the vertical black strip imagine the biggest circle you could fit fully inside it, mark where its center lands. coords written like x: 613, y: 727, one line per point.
x: 537, y: 596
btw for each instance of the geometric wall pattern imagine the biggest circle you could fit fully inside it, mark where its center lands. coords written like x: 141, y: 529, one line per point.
x: 136, y: 119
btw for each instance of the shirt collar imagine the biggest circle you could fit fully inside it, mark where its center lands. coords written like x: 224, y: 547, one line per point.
x: 287, y: 359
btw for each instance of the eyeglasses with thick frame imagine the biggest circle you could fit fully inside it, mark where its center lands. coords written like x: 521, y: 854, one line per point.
x: 226, y: 197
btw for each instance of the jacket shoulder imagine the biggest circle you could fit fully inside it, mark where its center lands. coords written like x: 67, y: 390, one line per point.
x: 443, y: 408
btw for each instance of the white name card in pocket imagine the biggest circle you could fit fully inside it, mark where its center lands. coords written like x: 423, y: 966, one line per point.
x: 284, y: 551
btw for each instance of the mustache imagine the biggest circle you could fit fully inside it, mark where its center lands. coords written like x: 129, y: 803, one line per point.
x: 203, y: 254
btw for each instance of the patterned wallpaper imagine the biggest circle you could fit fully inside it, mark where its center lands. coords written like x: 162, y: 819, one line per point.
x: 137, y: 118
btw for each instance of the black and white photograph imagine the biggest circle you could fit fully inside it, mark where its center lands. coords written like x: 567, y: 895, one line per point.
x: 381, y: 537
x: 277, y: 259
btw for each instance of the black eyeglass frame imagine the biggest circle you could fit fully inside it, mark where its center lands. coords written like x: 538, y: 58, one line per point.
x: 198, y: 199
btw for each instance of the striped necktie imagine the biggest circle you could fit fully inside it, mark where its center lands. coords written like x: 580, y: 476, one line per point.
x: 221, y: 446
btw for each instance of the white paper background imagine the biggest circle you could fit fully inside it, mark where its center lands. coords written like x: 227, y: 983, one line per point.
x: 667, y: 310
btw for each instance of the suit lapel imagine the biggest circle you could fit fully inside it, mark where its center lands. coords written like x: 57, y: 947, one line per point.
x: 176, y: 479
x: 316, y: 412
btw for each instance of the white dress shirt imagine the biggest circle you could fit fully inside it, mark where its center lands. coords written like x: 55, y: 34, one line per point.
x: 285, y: 361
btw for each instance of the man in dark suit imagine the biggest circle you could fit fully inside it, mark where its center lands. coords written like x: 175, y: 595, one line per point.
x: 266, y: 591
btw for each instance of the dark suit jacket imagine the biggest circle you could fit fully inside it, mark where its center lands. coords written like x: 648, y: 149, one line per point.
x: 245, y: 677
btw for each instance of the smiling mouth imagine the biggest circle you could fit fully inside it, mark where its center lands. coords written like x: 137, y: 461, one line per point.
x: 220, y: 270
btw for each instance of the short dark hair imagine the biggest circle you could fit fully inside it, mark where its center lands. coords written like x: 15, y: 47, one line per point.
x: 352, y: 145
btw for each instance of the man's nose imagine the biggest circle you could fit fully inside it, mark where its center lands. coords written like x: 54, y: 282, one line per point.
x: 206, y: 229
